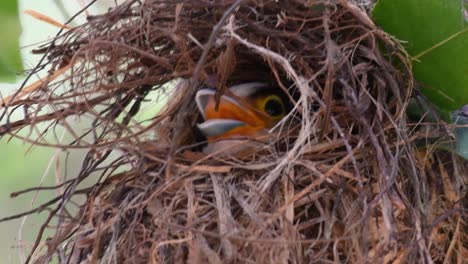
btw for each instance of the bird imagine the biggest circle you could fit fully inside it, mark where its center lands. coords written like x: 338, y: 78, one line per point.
x: 245, y: 111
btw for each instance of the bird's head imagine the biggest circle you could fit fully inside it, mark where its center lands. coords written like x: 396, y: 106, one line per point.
x: 245, y: 110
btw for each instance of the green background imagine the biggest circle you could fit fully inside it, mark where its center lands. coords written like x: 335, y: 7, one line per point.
x: 434, y: 32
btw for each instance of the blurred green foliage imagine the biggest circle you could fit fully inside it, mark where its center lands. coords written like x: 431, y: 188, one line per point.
x: 21, y: 168
x: 10, y: 30
x: 436, y: 37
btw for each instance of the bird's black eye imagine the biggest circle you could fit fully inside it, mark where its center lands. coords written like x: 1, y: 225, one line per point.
x: 274, y: 106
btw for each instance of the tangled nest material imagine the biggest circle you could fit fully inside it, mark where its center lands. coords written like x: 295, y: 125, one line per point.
x: 344, y: 181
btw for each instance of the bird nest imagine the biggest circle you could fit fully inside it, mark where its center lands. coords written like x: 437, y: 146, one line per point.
x: 345, y: 178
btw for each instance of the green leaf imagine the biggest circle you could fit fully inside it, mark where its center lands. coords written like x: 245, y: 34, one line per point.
x: 437, y: 38
x: 10, y: 29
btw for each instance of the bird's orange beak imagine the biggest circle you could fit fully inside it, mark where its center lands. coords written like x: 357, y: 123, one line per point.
x: 235, y: 116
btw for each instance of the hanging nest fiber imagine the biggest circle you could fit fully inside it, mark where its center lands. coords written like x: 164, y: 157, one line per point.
x: 343, y: 180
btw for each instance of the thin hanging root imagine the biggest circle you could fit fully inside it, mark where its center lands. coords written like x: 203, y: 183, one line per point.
x: 46, y: 19
x: 11, y: 99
